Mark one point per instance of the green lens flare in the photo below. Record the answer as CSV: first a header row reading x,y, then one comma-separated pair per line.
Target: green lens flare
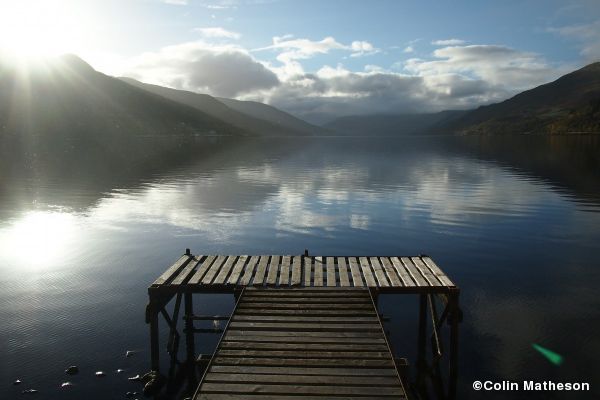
x,y
553,357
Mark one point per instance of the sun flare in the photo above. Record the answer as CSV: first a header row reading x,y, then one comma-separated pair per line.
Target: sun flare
x,y
38,28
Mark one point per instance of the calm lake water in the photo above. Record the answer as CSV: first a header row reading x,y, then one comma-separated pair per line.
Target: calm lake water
x,y
514,221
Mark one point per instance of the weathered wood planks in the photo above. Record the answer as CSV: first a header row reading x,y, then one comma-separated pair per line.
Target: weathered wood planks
x,y
227,273
306,342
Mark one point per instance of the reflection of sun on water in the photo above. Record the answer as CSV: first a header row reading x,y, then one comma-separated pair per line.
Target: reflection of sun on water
x,y
38,240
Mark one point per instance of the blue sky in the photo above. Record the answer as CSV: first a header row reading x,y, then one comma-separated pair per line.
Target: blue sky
x,y
326,58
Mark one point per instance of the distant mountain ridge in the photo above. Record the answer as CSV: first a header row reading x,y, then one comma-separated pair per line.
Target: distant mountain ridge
x,y
258,118
570,104
390,124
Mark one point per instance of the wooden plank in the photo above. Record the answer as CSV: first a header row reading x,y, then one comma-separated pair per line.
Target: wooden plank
x,y
307,306
390,271
303,326
321,313
299,389
307,270
284,276
318,268
296,271
245,396
426,272
245,345
367,273
291,293
232,336
355,269
402,272
263,353
220,279
261,271
306,334
343,271
185,273
303,379
437,272
296,362
201,270
379,273
414,272
314,299
213,270
299,318
230,369
173,269
330,268
248,271
273,270
237,270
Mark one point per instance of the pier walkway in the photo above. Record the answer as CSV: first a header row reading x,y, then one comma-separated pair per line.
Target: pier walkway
x,y
307,326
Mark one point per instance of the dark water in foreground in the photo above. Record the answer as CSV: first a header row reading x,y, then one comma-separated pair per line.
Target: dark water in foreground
x,y
515,222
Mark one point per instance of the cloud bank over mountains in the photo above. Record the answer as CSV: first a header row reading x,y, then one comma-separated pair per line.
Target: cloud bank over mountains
x,y
456,75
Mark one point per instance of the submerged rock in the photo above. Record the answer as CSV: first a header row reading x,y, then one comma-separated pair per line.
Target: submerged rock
x,y
129,353
130,395
29,391
17,382
118,371
66,384
72,370
100,373
136,378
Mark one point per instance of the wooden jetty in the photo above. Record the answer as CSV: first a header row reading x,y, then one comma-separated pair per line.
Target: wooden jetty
x,y
308,327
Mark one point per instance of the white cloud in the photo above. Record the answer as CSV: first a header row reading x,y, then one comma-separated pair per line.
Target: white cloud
x,y
408,49
223,70
497,65
217,32
448,42
362,48
298,49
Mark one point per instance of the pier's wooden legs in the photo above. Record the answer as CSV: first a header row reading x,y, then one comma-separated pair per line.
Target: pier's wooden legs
x,y
455,319
190,345
154,341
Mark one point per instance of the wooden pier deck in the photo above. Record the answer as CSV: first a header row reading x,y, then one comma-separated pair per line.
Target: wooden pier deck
x,y
308,326
227,273
319,343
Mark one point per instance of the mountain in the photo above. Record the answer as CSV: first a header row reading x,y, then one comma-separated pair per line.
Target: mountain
x,y
390,124
570,104
261,120
271,114
66,97
64,115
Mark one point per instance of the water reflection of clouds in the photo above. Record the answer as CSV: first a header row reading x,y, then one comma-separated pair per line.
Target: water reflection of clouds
x,y
445,192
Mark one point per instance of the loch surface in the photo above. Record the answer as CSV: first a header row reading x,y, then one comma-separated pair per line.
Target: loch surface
x,y
515,222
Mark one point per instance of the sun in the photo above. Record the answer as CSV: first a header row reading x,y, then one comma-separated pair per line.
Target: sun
x,y
38,28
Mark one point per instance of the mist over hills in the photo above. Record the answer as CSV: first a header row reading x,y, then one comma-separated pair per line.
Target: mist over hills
x,y
570,104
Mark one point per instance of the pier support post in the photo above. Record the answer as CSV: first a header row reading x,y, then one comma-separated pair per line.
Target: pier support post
x,y
455,319
154,344
422,344
190,346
